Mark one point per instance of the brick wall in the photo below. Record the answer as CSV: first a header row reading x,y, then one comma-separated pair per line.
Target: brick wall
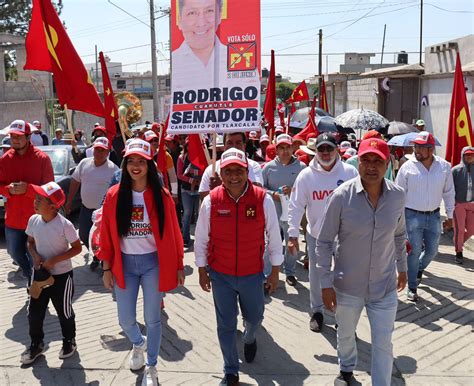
x,y
360,93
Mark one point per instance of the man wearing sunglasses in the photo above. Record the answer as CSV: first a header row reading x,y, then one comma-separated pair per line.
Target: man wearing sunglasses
x,y
311,191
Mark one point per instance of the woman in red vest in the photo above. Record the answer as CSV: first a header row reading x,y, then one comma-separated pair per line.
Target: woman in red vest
x,y
229,245
140,244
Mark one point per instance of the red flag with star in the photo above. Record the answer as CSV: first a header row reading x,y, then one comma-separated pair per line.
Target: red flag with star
x,y
310,128
300,93
111,110
459,127
323,100
48,48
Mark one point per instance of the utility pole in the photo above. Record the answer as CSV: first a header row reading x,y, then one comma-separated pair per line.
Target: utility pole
x,y
96,69
154,70
383,43
320,69
421,31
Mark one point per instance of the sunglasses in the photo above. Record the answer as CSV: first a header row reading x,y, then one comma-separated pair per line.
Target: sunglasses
x,y
325,149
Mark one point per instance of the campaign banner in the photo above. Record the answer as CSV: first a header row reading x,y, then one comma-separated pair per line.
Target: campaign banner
x,y
215,66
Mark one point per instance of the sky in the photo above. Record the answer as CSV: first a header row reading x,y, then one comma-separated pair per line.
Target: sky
x,y
288,27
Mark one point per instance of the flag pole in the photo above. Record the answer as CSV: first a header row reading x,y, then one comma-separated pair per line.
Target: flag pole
x,y
206,150
214,152
68,118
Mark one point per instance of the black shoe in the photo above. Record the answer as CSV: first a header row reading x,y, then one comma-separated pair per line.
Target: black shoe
x,y
345,379
230,380
69,348
94,264
459,259
419,277
250,350
316,322
412,296
291,280
33,352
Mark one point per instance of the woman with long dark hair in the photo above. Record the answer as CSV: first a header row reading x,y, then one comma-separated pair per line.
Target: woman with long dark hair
x,y
140,244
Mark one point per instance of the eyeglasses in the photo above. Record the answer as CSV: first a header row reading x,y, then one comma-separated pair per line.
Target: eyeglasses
x,y
325,149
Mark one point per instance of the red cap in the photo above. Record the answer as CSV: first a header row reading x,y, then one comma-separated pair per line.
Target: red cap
x,y
372,134
150,135
99,128
52,191
424,138
374,146
469,151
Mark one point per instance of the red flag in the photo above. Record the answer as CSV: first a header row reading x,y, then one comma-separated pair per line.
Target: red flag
x,y
292,111
196,151
48,48
300,93
270,98
310,128
281,114
111,111
312,111
459,126
323,100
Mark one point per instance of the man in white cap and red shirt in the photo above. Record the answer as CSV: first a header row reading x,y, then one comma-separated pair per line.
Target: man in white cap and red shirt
x,y
93,175
365,218
20,167
279,175
427,180
234,221
311,192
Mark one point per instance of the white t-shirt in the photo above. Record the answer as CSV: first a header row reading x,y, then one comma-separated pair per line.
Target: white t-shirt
x,y
255,175
94,181
139,239
53,238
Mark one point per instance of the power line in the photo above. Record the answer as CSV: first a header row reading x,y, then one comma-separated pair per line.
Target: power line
x,y
336,53
448,10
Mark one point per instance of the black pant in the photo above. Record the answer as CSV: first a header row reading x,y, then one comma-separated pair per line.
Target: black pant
x,y
60,293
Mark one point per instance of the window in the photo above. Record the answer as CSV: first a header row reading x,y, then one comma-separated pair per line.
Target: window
x,y
121,84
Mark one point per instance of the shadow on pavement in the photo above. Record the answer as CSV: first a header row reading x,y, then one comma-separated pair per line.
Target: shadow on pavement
x,y
173,348
273,363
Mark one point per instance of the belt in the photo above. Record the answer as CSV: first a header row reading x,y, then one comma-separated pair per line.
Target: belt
x,y
424,212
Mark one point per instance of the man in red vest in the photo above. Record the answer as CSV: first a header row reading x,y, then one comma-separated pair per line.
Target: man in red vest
x,y
229,245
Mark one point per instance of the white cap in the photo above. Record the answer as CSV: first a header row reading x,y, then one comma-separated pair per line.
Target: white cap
x,y
149,135
139,147
264,138
101,142
233,156
344,145
284,138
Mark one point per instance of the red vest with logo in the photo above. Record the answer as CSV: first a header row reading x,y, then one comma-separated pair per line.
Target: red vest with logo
x,y
237,232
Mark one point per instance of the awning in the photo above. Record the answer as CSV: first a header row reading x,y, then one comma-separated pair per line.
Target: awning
x,y
396,71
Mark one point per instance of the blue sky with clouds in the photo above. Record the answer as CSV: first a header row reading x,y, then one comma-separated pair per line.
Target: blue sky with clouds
x,y
288,27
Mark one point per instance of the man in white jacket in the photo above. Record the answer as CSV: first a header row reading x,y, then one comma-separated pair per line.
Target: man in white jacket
x,y
311,191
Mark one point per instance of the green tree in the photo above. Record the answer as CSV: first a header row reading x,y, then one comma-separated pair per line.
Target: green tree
x,y
15,15
9,59
284,90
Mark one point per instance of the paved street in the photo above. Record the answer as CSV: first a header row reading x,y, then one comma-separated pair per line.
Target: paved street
x,y
433,340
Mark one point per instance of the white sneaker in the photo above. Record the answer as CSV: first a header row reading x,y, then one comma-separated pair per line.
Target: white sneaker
x,y
137,356
150,376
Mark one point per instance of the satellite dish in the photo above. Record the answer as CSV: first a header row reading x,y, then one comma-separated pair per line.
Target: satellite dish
x,y
386,84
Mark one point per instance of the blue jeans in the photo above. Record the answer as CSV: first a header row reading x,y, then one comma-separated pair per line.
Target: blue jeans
x,y
190,206
16,248
85,224
289,262
381,314
228,291
422,229
141,270
315,295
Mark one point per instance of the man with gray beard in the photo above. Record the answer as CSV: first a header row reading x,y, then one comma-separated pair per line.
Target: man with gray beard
x,y
311,191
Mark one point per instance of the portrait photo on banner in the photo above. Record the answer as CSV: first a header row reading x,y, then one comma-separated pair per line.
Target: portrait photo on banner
x,y
215,76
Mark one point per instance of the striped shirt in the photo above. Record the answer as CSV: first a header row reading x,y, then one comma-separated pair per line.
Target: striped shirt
x,y
425,188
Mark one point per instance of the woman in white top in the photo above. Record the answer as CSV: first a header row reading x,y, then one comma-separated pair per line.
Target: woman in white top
x,y
141,245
